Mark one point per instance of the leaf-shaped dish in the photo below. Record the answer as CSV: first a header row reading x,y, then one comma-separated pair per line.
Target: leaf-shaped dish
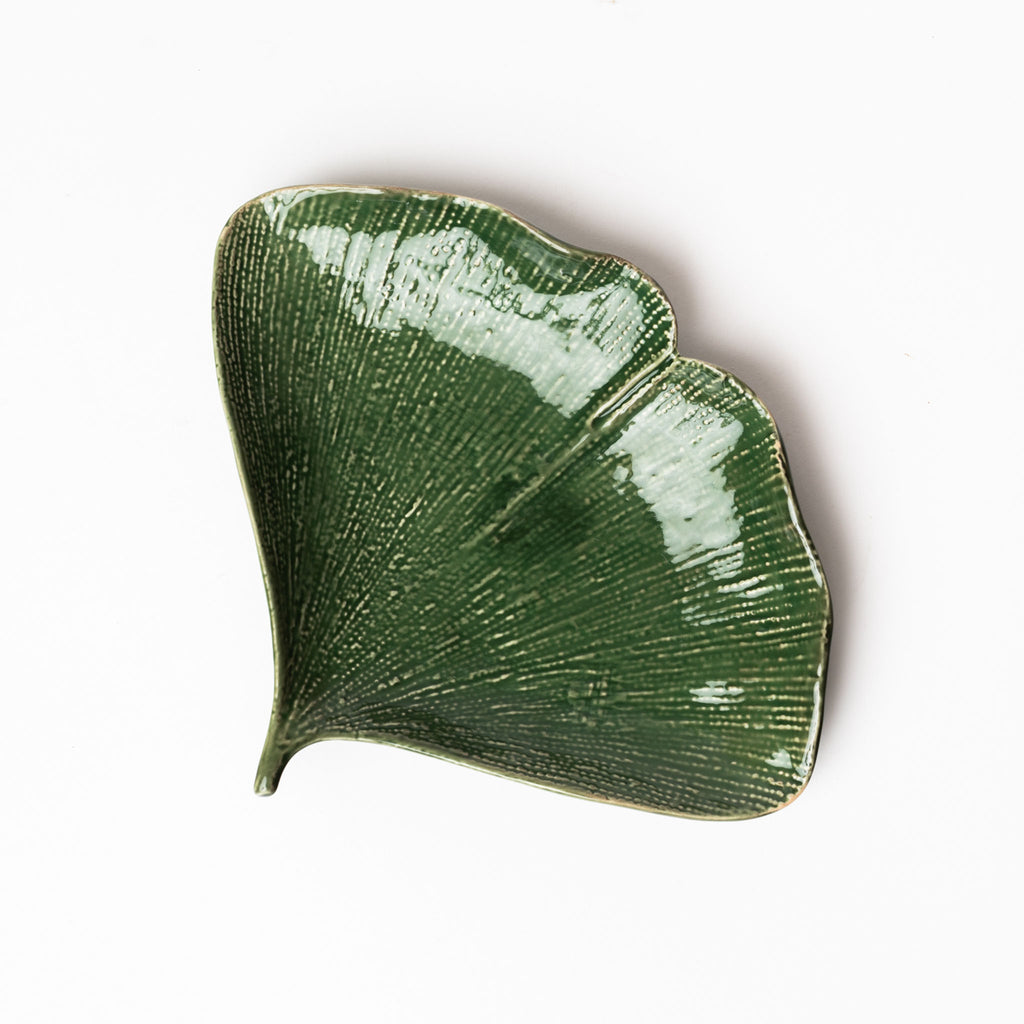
x,y
500,520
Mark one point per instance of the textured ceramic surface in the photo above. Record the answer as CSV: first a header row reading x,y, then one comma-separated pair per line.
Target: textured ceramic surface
x,y
500,520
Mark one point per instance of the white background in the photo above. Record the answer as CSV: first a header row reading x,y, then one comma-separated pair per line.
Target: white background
x,y
830,194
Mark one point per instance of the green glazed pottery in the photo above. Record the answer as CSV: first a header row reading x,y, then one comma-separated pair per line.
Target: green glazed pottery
x,y
500,520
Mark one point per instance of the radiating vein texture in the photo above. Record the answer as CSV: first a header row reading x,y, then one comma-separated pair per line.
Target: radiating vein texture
x,y
500,520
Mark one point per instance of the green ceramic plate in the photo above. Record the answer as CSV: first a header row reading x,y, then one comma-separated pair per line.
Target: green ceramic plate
x,y
501,521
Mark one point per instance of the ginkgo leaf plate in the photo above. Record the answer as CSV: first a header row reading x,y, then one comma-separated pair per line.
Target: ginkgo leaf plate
x,y
500,519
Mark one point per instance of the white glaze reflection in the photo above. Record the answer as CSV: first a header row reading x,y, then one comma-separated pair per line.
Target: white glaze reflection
x,y
675,450
451,285
717,692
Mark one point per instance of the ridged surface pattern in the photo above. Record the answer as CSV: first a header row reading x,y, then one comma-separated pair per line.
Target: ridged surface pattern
x,y
500,520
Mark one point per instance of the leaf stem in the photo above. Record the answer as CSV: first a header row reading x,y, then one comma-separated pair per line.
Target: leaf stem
x,y
276,754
